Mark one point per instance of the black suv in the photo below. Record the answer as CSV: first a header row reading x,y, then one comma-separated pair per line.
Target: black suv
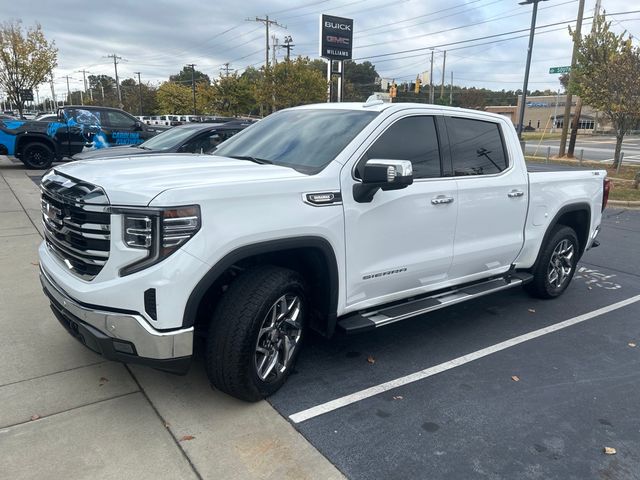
x,y
39,143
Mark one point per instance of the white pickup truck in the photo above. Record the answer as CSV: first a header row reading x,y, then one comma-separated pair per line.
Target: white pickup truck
x,y
324,217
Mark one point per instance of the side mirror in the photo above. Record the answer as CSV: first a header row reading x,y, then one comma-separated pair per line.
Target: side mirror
x,y
138,125
382,174
61,117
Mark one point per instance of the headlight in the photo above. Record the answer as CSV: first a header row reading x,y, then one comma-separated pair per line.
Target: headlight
x,y
158,231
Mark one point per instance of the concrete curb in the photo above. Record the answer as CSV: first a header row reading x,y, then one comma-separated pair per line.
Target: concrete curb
x,y
623,203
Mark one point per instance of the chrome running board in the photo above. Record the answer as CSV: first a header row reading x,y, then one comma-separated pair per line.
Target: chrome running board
x,y
368,320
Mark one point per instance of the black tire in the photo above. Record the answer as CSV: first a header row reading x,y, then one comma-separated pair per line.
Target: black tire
x,y
233,338
551,262
37,155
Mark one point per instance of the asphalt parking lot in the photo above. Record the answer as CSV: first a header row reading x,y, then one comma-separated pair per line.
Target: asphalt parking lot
x,y
450,395
544,408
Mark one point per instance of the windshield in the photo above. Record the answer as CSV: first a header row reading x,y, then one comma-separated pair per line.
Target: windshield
x,y
168,139
304,139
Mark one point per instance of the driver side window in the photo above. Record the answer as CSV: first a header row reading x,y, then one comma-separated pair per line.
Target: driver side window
x,y
119,120
410,138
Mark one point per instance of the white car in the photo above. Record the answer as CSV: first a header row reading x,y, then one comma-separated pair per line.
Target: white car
x,y
343,216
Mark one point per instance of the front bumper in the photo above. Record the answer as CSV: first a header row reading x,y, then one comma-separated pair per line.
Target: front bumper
x,y
120,336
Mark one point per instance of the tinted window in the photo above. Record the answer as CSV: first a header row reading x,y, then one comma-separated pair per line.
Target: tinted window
x,y
476,147
202,143
305,139
411,138
117,119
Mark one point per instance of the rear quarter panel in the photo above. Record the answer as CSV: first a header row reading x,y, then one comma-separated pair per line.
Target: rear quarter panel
x,y
550,192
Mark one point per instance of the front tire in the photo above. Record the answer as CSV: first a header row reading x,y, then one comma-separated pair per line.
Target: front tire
x,y
556,265
37,155
256,332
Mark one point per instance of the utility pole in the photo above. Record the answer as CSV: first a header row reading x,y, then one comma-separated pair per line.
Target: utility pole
x,y
115,66
532,32
266,23
578,111
274,46
451,91
288,45
53,91
193,84
139,91
567,106
68,91
226,69
431,91
444,63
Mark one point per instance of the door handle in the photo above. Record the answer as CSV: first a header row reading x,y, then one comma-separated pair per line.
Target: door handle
x,y
441,199
515,193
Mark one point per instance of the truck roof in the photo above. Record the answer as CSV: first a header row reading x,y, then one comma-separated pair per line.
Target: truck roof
x,y
395,107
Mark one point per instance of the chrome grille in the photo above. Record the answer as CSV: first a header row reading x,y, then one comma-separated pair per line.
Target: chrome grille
x,y
77,223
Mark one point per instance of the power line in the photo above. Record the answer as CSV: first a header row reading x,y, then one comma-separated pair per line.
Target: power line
x,y
266,23
422,49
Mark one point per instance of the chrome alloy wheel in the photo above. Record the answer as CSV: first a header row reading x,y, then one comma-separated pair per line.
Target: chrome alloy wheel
x,y
279,337
561,263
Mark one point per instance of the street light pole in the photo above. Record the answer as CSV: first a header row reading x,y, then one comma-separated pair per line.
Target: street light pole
x,y
532,33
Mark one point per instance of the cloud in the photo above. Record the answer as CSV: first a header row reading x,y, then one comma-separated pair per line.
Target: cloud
x,y
157,38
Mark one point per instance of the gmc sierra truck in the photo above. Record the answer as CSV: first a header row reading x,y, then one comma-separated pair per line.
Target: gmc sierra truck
x,y
39,143
334,217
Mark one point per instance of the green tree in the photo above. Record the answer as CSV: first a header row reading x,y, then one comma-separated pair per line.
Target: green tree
x,y
103,90
130,91
606,77
184,77
174,98
291,83
360,81
26,59
233,95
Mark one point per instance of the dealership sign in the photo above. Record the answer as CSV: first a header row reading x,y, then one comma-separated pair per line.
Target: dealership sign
x,y
336,37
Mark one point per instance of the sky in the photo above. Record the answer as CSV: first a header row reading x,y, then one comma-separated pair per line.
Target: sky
x,y
159,37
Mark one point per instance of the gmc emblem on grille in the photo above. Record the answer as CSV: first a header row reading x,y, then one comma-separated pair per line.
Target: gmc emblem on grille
x,y
50,211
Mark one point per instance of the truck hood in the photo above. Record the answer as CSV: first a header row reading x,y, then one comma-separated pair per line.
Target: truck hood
x,y
137,180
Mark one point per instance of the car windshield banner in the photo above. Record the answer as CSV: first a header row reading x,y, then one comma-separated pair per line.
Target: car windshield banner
x,y
336,37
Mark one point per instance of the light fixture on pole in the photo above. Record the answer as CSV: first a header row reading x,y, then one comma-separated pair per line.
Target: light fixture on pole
x,y
526,71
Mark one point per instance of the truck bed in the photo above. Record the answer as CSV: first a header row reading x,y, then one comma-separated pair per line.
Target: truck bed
x,y
553,167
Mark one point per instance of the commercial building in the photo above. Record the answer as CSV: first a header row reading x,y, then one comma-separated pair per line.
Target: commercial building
x,y
547,113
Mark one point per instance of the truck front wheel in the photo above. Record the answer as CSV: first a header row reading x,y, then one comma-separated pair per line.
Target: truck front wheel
x,y
556,265
256,333
37,155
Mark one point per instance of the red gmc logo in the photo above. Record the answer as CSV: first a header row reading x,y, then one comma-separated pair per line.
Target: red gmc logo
x,y
338,40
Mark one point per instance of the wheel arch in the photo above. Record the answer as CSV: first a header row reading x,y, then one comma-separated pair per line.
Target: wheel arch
x,y
578,217
26,138
313,256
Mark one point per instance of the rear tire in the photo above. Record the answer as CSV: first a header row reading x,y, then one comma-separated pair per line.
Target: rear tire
x,y
256,332
556,265
37,155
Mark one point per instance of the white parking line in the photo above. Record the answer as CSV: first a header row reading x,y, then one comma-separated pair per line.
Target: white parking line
x,y
428,372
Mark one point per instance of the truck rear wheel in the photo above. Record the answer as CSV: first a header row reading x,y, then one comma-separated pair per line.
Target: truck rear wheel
x,y
256,333
556,265
37,155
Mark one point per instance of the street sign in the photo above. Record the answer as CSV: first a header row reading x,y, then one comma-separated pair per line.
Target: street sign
x,y
336,37
560,69
26,94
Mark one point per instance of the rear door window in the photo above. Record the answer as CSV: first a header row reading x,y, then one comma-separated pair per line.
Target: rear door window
x,y
476,147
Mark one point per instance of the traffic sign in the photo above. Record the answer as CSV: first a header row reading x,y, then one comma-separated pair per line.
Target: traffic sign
x,y
566,69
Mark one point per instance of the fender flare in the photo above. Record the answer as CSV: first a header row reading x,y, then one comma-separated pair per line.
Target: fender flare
x,y
269,246
21,141
573,207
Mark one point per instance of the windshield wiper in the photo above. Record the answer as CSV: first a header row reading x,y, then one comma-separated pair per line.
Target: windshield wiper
x,y
261,161
142,147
